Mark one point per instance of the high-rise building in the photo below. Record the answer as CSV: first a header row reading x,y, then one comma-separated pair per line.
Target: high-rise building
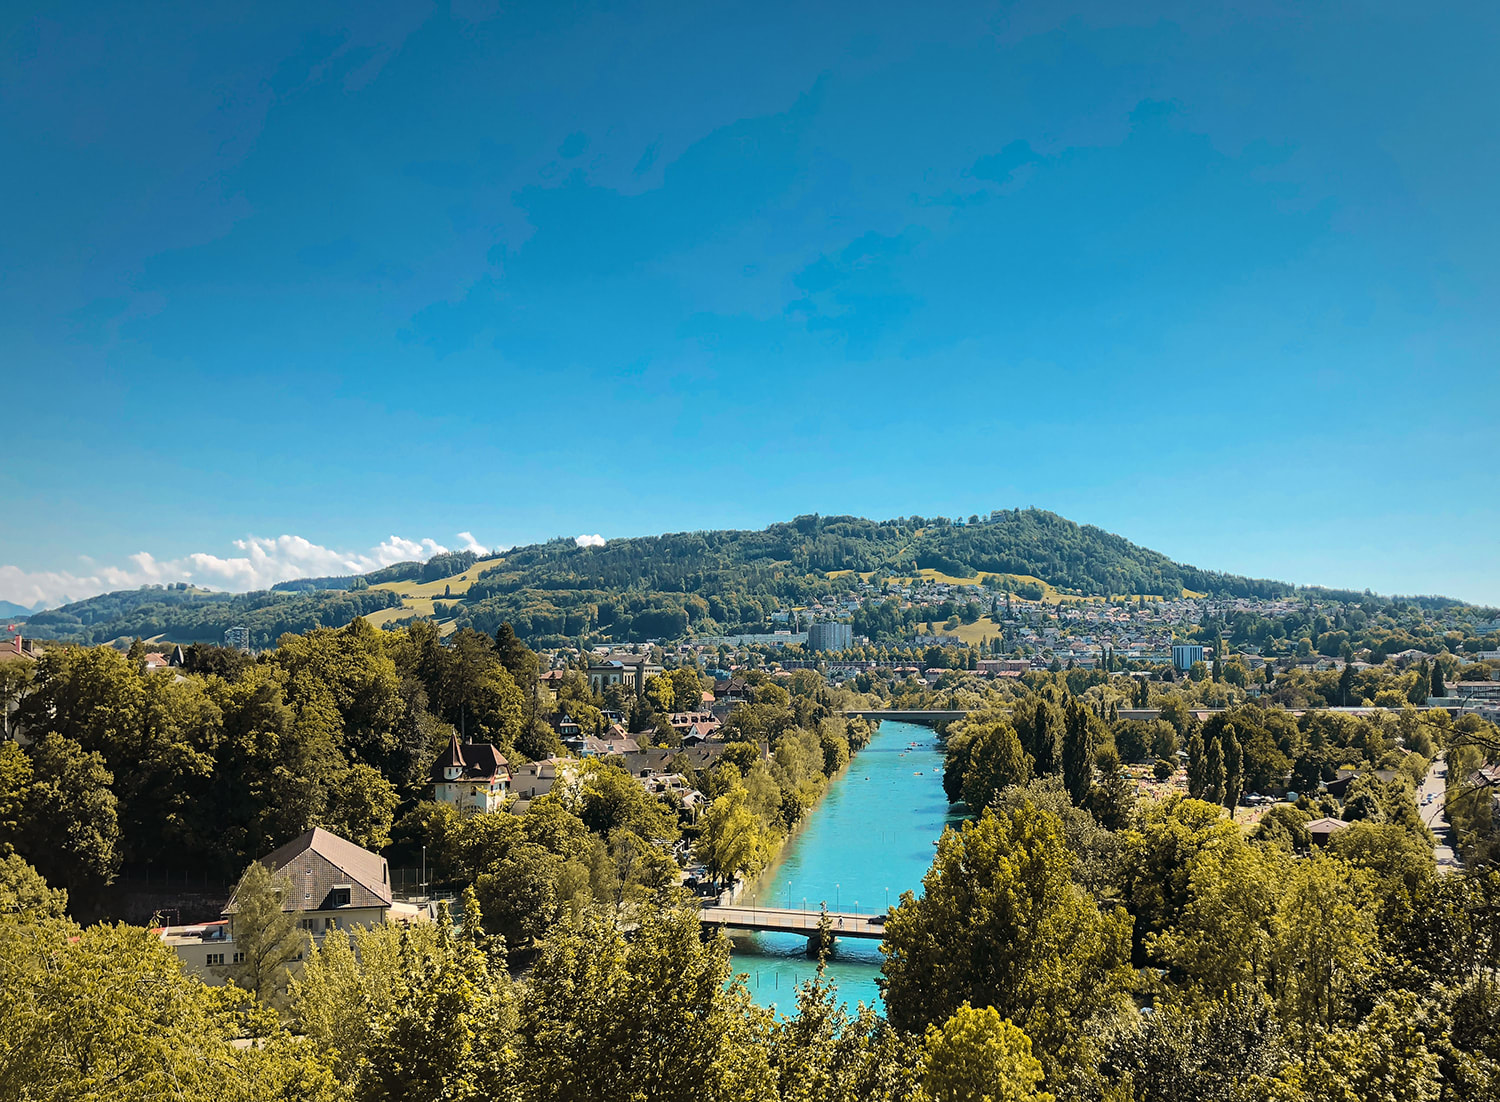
x,y
829,635
238,638
1184,655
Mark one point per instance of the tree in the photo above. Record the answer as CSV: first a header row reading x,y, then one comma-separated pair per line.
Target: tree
x,y
657,1016
607,798
996,760
273,768
91,695
1234,769
1284,826
732,842
1213,771
24,892
1080,740
1197,768
1001,923
266,937
659,693
69,827
1159,857
106,1012
1438,689
977,1056
361,807
1113,798
687,688
1385,1057
346,676
1222,1051
1346,687
1399,864
1222,938
520,893
448,1029
1039,725
15,683
1325,941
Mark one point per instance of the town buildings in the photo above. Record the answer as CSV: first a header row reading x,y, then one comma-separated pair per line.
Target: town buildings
x,y
629,670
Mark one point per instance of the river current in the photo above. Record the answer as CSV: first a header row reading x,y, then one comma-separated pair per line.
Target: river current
x,y
869,839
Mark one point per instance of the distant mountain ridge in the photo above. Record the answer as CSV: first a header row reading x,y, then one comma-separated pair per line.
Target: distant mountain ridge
x,y
672,585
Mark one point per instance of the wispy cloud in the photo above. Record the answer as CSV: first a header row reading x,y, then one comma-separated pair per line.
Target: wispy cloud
x,y
595,540
256,563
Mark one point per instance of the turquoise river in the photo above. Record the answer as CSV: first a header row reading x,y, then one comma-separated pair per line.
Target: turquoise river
x,y
869,839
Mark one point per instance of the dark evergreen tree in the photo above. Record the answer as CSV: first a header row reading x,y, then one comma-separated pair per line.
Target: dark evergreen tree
x,y
1234,769
1346,686
1197,767
1213,774
1080,727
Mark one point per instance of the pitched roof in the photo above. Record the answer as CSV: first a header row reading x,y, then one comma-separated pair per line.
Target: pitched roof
x,y
479,761
315,862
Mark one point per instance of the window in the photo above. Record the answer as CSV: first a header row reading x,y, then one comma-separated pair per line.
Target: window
x,y
239,958
214,959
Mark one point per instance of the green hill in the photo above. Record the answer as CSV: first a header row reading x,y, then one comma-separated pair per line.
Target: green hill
x,y
667,586
674,585
190,615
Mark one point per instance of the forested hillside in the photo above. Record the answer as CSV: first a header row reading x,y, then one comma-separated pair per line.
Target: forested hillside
x,y
198,616
665,587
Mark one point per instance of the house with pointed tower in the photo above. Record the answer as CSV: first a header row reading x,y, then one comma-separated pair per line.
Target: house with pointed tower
x,y
472,776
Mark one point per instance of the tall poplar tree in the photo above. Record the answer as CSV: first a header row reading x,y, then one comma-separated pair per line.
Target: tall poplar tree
x,y
1079,743
265,938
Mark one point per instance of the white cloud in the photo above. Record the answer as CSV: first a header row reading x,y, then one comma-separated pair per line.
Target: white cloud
x,y
472,544
595,540
259,564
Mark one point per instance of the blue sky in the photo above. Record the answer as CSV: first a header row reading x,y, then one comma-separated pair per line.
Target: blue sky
x,y
297,286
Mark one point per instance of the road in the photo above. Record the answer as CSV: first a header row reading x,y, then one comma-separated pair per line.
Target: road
x,y
1434,785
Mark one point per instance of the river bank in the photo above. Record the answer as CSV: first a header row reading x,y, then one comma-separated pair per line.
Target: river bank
x,y
868,840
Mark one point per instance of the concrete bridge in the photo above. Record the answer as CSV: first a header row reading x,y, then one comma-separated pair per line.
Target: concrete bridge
x,y
777,920
927,718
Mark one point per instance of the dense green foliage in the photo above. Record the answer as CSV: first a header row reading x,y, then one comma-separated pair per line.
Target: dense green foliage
x,y
228,758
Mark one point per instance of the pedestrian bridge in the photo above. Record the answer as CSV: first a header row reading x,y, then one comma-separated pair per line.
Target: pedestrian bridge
x,y
776,920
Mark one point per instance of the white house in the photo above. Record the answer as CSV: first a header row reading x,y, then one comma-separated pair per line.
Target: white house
x,y
473,777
